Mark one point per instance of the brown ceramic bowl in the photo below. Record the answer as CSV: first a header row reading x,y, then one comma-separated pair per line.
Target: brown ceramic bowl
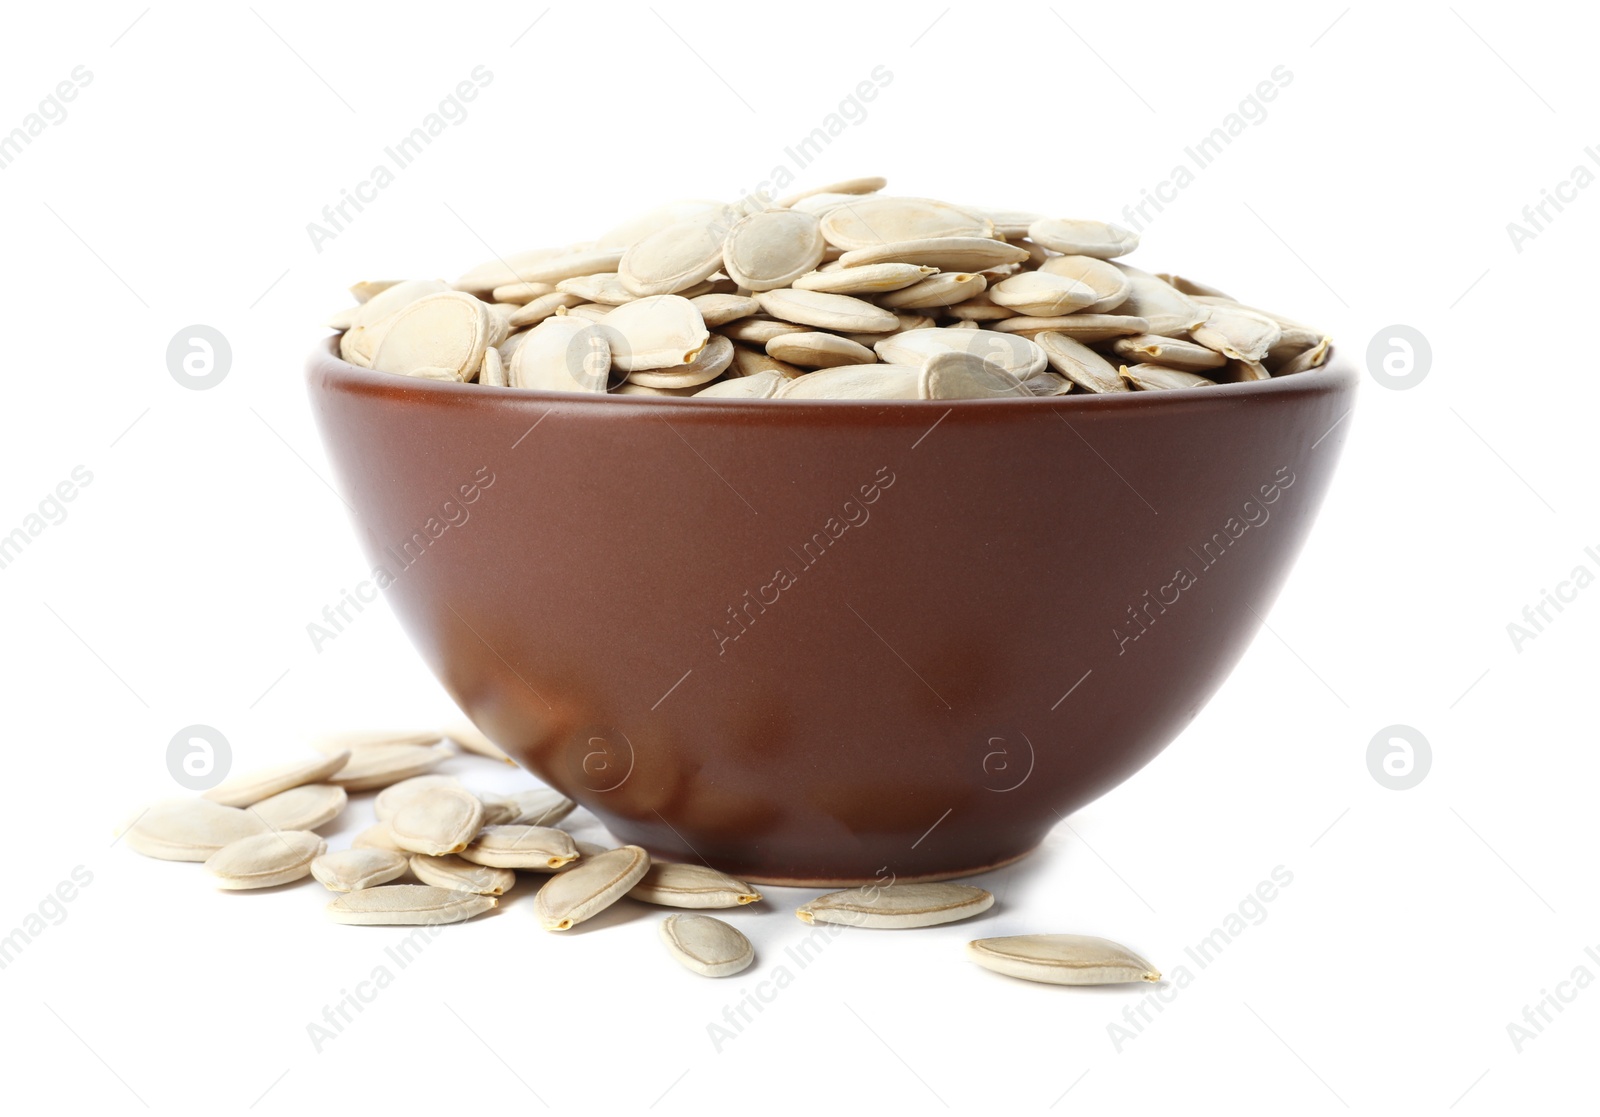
x,y
822,642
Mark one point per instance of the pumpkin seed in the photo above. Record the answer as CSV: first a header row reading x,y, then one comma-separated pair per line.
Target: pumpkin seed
x,y
850,186
1306,358
955,374
878,381
190,829
941,289
396,795
406,905
589,887
308,807
1082,327
944,253
363,291
749,362
898,905
1062,959
1173,352
350,870
758,330
492,373
759,385
393,299
1109,284
545,306
1238,334
812,349
715,310
520,293
1190,286
602,287
1154,378
652,221
657,332
381,765
438,821
707,945
1043,294
540,806
540,848
461,875
265,860
438,337
1077,237
243,791
504,271
1166,309
564,355
1016,355
707,365
1078,363
867,279
677,256
691,886
831,312
884,220
772,248
570,264
354,740
378,836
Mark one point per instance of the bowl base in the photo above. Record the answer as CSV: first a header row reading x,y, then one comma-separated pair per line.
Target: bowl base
x,y
849,882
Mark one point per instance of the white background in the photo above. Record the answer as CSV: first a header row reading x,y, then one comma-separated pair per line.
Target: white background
x,y
1377,191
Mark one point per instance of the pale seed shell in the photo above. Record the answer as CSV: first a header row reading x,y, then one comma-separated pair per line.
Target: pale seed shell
x,y
350,870
564,355
677,257
691,886
590,887
1172,352
870,184
772,248
706,945
382,765
1306,359
716,310
378,836
1078,363
520,293
354,740
637,228
461,875
190,829
367,288
898,905
758,330
1154,378
830,312
492,373
1083,327
308,807
570,264
1077,237
266,860
242,791
407,905
438,821
877,381
545,306
1111,286
1042,294
655,333
1190,286
759,385
540,806
538,848
749,362
602,287
438,337
883,220
954,374
504,271
708,364
941,289
396,795
1016,355
812,349
1238,334
1166,309
393,299
1062,959
944,253
865,280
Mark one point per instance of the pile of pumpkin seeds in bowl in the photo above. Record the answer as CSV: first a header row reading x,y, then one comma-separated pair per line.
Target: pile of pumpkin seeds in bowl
x,y
437,852
837,293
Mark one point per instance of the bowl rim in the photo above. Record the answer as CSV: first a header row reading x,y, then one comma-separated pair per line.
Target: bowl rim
x,y
325,361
